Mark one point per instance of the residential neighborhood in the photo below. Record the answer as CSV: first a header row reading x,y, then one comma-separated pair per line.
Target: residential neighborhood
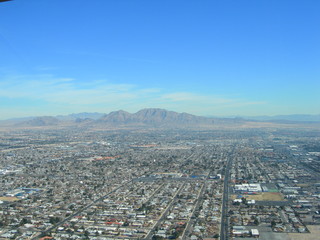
x,y
183,184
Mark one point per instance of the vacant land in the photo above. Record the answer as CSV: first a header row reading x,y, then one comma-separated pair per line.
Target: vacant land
x,y
9,199
314,234
265,196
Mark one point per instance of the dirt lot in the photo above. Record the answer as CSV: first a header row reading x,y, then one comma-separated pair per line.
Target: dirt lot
x,y
314,234
9,199
264,196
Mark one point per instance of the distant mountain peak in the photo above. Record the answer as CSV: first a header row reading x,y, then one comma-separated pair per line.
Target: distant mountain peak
x,y
119,116
155,117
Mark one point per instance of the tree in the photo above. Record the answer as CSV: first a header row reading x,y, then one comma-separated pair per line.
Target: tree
x,y
125,224
156,237
23,221
86,233
54,220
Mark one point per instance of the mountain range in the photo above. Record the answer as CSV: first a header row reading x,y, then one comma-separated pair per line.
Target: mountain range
x,y
155,117
151,117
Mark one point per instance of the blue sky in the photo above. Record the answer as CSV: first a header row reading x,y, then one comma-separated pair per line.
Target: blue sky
x,y
221,58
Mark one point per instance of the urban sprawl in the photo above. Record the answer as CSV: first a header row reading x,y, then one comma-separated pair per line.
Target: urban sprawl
x,y
160,184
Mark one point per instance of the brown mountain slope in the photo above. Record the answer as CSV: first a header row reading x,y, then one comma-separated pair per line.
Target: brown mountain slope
x,y
154,117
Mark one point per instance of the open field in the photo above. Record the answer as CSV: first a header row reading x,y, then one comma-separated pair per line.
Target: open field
x,y
314,234
9,199
265,196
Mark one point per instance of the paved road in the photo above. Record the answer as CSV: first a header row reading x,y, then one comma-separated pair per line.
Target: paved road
x,y
79,211
164,214
224,217
196,207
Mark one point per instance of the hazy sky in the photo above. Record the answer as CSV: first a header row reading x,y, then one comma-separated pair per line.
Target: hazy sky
x,y
241,57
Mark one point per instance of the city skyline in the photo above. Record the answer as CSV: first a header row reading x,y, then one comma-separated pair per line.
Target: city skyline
x,y
233,58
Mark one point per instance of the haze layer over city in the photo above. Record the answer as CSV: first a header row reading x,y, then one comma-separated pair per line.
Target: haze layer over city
x,y
159,120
